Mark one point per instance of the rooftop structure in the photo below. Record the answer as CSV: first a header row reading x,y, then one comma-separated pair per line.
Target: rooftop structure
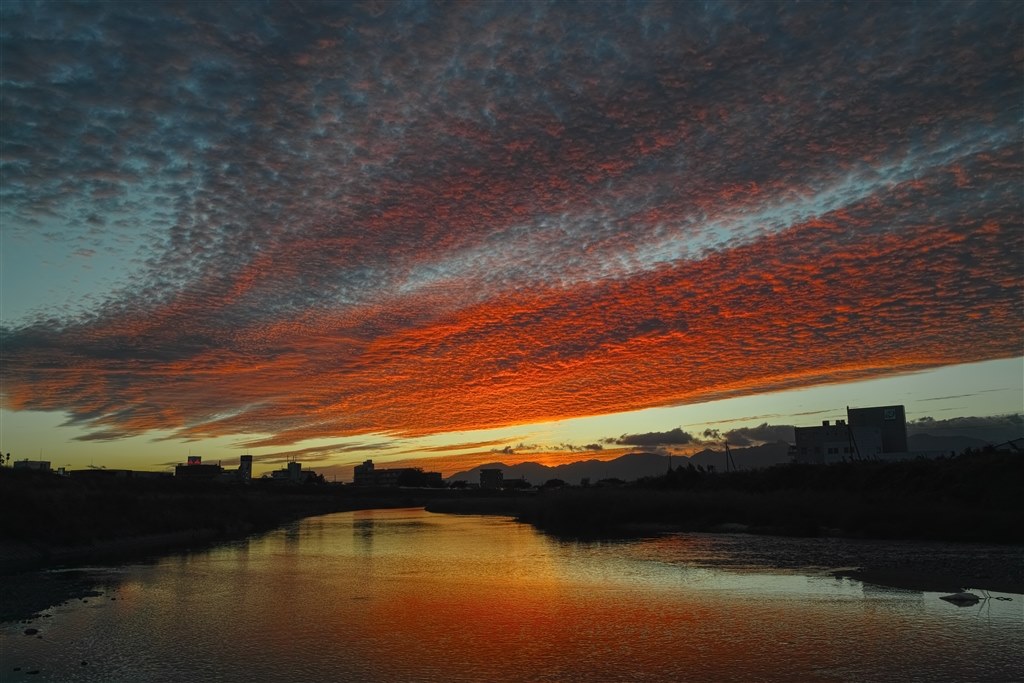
x,y
890,421
245,468
867,433
368,475
37,465
195,470
293,473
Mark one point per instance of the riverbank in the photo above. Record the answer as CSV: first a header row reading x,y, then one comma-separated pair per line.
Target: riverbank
x,y
968,499
609,514
971,499
50,521
903,566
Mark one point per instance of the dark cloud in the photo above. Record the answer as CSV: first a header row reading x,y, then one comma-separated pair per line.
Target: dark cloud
x,y
994,429
673,437
763,433
573,448
453,447
977,393
104,435
519,447
346,219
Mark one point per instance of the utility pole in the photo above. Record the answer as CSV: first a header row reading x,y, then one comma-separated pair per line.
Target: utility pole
x,y
728,459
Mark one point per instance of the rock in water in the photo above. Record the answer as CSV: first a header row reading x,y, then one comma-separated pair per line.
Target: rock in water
x,y
961,599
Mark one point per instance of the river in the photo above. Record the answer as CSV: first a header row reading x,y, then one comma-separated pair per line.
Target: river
x,y
406,595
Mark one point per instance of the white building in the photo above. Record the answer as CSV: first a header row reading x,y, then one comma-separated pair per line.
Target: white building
x,y
837,443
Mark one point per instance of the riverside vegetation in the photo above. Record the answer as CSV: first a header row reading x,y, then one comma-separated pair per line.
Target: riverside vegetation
x,y
915,507
50,520
974,497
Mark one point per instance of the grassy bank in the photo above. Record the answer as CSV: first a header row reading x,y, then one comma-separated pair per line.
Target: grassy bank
x,y
971,498
791,512
49,520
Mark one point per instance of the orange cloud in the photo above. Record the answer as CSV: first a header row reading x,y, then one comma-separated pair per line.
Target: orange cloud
x,y
454,239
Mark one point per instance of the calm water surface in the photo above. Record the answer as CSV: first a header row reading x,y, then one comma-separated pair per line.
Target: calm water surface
x,y
406,595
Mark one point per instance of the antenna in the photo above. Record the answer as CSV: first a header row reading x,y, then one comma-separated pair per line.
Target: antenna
x,y
729,460
854,449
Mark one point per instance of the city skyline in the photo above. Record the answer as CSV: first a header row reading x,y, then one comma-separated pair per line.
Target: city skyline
x,y
976,413
331,232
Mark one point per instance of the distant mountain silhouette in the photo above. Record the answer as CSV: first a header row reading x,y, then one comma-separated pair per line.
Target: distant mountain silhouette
x,y
993,429
638,465
627,467
750,458
631,466
953,442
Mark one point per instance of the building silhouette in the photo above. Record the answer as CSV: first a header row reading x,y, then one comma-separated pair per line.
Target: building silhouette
x,y
891,421
292,473
491,478
245,468
195,470
37,465
368,475
866,434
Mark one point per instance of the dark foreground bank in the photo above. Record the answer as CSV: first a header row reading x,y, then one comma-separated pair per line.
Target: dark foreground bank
x,y
625,513
53,521
972,498
969,498
50,521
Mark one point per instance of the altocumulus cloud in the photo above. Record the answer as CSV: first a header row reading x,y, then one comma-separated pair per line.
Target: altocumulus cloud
x,y
342,219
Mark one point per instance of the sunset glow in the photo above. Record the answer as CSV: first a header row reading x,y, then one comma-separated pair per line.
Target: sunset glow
x,y
427,232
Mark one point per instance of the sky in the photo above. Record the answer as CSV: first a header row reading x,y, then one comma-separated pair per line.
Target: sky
x,y
431,233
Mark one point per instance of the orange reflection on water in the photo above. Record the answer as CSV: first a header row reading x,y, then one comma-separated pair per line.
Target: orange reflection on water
x,y
477,609
405,595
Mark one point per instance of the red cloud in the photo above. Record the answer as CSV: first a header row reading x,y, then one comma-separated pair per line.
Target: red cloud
x,y
556,218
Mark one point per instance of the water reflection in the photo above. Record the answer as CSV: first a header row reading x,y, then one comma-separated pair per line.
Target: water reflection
x,y
362,531
400,595
292,534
